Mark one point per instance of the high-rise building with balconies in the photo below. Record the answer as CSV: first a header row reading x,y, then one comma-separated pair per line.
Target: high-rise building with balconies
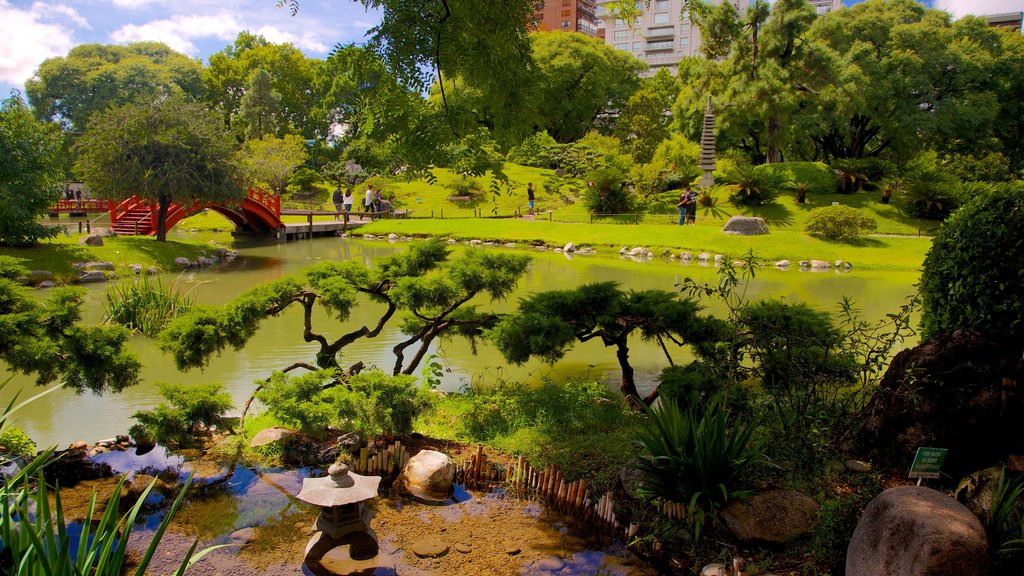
x,y
825,6
567,16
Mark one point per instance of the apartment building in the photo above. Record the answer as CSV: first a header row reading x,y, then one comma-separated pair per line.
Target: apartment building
x,y
1012,20
567,16
660,37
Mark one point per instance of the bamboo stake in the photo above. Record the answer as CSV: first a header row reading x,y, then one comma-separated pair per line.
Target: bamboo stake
x,y
362,460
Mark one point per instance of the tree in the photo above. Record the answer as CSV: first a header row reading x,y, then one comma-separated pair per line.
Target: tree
x,y
644,120
431,291
259,108
272,160
93,77
230,72
45,339
30,174
167,150
549,323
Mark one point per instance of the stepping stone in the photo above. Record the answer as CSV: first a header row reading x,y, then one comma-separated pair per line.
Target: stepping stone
x,y
463,547
429,548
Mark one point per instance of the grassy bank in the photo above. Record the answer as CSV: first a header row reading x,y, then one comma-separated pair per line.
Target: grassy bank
x,y
58,255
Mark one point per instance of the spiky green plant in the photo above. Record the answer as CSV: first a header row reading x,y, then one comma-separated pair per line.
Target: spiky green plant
x,y
1006,524
145,305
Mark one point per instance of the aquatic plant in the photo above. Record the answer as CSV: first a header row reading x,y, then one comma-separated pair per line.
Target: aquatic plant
x,y
145,305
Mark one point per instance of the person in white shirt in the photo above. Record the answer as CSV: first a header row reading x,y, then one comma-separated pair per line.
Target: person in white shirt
x,y
368,200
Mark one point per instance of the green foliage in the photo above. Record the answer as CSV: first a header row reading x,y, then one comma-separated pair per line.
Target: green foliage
x,y
533,151
15,442
271,160
30,175
259,109
187,417
752,187
464,185
930,193
608,193
11,268
975,266
476,154
839,223
817,177
303,183
145,305
1006,524
371,403
696,457
985,167
45,339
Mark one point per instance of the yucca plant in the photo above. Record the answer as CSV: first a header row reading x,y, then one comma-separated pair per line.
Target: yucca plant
x,y
145,305
695,457
752,187
930,194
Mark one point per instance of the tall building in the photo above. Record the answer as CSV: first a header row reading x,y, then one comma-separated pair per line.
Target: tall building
x,y
1012,20
567,16
659,37
825,6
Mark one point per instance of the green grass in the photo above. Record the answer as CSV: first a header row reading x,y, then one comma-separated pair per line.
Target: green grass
x,y
58,254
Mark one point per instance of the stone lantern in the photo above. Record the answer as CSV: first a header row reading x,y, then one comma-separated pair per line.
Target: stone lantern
x,y
343,519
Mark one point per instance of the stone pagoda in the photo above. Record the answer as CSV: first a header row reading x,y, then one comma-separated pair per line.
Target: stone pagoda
x,y
706,162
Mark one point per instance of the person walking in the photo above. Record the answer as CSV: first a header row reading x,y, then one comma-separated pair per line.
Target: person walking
x,y
368,201
530,198
339,203
347,203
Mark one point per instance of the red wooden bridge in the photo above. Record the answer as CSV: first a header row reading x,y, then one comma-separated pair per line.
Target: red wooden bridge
x,y
260,212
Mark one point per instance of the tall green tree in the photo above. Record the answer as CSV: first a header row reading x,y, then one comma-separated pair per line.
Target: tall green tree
x,y
644,120
93,77
549,323
167,150
230,71
260,107
271,160
30,174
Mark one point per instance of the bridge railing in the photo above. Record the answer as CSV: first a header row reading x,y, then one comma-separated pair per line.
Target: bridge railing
x,y
270,200
84,205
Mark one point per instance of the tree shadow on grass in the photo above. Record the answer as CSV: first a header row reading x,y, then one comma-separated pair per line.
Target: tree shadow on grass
x,y
862,242
774,214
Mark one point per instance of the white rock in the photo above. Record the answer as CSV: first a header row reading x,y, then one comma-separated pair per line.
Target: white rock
x,y
782,264
703,256
623,250
569,247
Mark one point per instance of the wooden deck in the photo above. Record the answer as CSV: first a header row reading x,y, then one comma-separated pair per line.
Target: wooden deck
x,y
311,228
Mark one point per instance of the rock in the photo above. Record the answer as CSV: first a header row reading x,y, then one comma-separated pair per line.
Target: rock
x,y
719,258
244,537
79,445
392,236
776,516
623,250
463,548
23,280
183,262
745,226
976,490
685,256
9,468
136,268
108,266
428,476
703,257
152,271
139,484
637,251
917,531
37,276
271,435
667,253
858,466
631,480
569,247
714,569
429,548
838,263
513,550
475,242
509,245
553,564
820,265
205,261
452,241
45,284
782,264
954,391
91,240
92,276
104,232
350,441
804,264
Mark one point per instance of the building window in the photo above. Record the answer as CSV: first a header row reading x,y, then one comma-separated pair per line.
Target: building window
x,y
661,6
566,13
822,9
622,34
620,23
638,46
624,46
684,42
661,45
661,18
565,23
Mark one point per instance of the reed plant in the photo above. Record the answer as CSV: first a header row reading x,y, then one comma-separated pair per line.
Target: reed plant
x,y
145,304
1006,523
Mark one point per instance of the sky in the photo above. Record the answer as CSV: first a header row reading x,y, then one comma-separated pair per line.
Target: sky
x,y
32,31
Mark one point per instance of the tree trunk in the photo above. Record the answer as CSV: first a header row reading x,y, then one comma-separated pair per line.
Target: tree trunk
x,y
628,385
161,218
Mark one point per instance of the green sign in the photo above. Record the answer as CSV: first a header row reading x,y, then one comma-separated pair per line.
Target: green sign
x,y
927,463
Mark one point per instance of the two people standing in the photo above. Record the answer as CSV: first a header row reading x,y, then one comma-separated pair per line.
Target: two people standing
x,y
687,206
342,202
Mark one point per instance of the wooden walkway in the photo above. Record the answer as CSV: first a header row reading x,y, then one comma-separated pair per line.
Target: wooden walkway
x,y
311,228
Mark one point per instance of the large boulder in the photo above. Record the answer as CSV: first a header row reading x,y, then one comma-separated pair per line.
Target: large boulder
x,y
91,240
745,226
776,516
428,476
917,531
958,391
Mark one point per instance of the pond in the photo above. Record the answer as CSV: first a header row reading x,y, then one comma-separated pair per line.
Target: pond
x,y
64,417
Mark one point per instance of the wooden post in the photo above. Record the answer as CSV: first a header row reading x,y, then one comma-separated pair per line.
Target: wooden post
x,y
362,460
636,218
310,217
79,227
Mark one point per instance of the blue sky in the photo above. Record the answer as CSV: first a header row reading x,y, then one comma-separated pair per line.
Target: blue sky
x,y
33,30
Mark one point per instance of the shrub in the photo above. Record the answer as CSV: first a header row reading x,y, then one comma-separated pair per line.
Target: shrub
x,y
974,270
695,457
1006,524
992,167
303,183
752,187
534,151
190,412
608,194
145,305
816,177
11,268
463,185
14,441
838,223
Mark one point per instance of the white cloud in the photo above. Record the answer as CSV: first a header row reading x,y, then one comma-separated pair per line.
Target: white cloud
x,y
960,8
32,35
178,32
135,3
305,41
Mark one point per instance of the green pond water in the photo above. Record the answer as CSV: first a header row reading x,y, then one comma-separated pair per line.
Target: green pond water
x,y
63,417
